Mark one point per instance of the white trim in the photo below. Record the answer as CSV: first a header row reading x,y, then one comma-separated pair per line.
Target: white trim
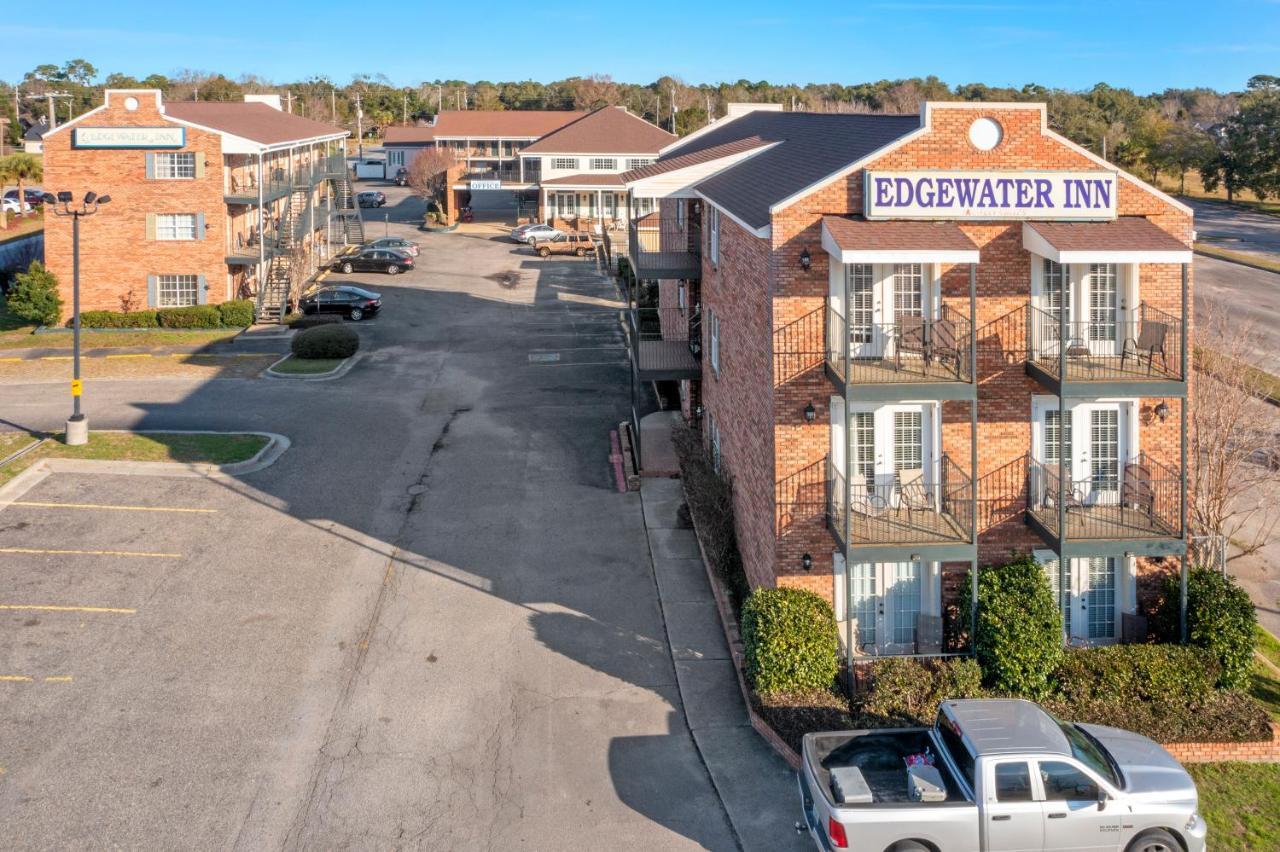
x,y
700,172
895,255
763,233
1035,242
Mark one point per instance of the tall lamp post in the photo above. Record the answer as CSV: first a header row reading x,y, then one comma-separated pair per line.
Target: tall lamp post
x,y
63,204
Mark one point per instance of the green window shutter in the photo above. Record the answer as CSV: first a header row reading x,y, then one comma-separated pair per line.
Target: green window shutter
x,y
151,166
199,165
202,291
199,226
153,290
151,226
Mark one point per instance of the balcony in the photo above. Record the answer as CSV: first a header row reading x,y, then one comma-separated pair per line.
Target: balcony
x,y
931,358
247,252
246,193
1138,357
666,343
665,248
905,515
1138,510
507,175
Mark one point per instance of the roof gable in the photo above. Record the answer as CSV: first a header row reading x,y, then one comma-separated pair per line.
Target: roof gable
x,y
608,130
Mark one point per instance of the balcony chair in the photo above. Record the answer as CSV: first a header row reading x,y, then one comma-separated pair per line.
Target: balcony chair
x,y
944,344
1072,496
1136,492
913,494
1148,344
912,339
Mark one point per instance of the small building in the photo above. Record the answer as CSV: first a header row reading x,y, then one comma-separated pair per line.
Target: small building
x,y
33,139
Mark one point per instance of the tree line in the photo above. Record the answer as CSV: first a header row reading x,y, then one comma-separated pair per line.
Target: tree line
x,y
1232,139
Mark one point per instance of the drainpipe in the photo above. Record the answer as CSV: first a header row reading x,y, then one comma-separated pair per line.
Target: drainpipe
x,y
973,450
262,231
1186,379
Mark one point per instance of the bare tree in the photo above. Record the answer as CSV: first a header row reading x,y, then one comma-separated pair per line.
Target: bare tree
x,y
1235,480
427,171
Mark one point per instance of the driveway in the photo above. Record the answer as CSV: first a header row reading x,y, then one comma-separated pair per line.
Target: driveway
x,y
1236,229
432,624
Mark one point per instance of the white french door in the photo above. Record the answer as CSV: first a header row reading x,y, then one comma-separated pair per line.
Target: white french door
x,y
885,601
1094,437
1096,298
1088,591
880,294
887,439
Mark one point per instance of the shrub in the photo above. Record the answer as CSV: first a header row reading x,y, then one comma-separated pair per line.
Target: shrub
x,y
1220,619
326,341
237,313
1222,715
311,320
710,498
34,295
195,316
790,640
905,691
118,319
1137,673
1019,630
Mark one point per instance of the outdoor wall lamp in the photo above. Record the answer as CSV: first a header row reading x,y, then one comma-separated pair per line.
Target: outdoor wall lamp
x,y
810,413
697,411
1162,411
806,260
806,562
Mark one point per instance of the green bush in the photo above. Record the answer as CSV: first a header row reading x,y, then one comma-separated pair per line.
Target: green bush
x,y
237,313
1156,673
906,691
790,640
1223,715
34,295
300,321
195,316
710,496
118,319
326,341
1019,630
1220,619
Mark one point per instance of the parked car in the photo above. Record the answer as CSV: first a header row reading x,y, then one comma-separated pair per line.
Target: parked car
x,y
997,774
576,243
373,260
34,197
402,176
352,302
11,205
399,244
371,198
534,231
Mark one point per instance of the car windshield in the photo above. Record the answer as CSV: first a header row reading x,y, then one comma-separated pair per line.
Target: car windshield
x,y
1090,752
363,294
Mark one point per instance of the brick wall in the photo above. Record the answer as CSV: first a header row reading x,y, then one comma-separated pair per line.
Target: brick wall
x,y
115,255
1266,751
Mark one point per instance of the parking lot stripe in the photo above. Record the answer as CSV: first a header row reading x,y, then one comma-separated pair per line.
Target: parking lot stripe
x,y
58,679
56,357
133,355
39,551
14,679
13,360
43,505
57,608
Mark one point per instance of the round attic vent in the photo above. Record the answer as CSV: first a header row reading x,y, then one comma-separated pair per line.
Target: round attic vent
x,y
131,103
985,133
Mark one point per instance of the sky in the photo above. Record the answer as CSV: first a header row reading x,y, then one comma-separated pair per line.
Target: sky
x,y
1146,45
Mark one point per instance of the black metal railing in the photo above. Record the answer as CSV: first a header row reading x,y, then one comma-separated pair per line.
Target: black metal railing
x,y
1108,346
907,507
507,175
666,340
910,349
668,248
1138,499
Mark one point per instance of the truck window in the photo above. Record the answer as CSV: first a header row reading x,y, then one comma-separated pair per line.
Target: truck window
x,y
1013,782
1064,783
959,752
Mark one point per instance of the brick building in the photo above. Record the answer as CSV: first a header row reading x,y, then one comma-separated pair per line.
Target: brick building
x,y
918,344
210,201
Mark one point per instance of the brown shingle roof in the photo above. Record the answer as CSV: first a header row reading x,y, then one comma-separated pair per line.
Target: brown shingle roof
x,y
609,130
254,121
485,124
901,235
586,180
1128,233
704,155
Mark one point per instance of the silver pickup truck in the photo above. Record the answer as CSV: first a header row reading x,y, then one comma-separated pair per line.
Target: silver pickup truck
x,y
997,775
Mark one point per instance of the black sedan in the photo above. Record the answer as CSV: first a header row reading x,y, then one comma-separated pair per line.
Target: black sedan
x,y
352,302
373,260
371,198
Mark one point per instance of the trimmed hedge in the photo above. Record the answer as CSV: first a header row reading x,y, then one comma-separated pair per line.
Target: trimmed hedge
x,y
907,691
312,320
326,341
195,316
118,319
237,313
1155,673
1220,619
790,640
1019,631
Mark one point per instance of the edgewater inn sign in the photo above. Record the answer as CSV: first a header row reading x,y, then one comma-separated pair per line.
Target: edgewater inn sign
x,y
1069,195
129,137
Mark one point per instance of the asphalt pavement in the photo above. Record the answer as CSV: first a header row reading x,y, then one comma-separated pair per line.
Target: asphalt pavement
x,y
1236,228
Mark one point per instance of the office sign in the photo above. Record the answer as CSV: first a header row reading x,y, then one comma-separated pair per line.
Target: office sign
x,y
486,184
129,137
990,195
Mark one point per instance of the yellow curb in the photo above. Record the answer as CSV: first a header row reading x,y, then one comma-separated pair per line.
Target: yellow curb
x,y
133,355
57,357
12,360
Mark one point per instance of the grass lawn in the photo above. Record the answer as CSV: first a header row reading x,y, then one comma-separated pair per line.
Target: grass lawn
x,y
1241,803
307,366
16,333
1264,683
222,448
1265,382
11,442
1195,189
21,227
1269,646
1237,256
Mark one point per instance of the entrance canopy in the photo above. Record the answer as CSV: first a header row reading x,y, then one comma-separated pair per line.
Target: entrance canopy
x,y
1129,239
860,241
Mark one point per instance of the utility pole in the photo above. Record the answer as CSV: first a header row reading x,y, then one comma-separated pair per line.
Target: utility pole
x,y
288,102
439,100
673,109
709,116
333,105
359,127
404,111
49,96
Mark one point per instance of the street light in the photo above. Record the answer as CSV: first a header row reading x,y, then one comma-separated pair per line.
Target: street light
x,y
62,205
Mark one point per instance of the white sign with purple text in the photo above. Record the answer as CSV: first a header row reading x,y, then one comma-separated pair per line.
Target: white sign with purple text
x,y
990,195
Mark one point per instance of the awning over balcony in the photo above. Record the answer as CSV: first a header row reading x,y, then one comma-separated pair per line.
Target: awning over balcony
x,y
1129,239
860,241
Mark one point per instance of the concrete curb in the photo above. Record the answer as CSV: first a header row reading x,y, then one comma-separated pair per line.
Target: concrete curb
x,y
336,373
1236,261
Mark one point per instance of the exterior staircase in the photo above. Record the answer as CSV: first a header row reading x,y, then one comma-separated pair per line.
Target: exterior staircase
x,y
277,288
346,225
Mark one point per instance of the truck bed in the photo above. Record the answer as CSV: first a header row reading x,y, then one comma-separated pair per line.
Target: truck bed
x,y
880,755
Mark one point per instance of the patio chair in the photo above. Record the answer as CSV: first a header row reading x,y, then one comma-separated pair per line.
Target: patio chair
x,y
1136,491
1071,497
1149,343
944,344
912,340
913,494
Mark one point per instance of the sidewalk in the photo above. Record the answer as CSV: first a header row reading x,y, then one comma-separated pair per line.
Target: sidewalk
x,y
755,785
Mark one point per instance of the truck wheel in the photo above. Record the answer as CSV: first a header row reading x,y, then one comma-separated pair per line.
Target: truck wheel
x,y
544,252
580,252
1157,840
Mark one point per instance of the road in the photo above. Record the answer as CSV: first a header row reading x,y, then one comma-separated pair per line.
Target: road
x,y
1245,298
434,624
1236,228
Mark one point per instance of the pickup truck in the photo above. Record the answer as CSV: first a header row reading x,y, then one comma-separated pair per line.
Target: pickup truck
x,y
996,775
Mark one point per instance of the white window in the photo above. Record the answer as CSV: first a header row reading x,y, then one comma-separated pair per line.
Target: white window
x,y
637,162
563,163
713,322
604,164
714,431
177,291
176,226
713,248
681,297
680,213
175,166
